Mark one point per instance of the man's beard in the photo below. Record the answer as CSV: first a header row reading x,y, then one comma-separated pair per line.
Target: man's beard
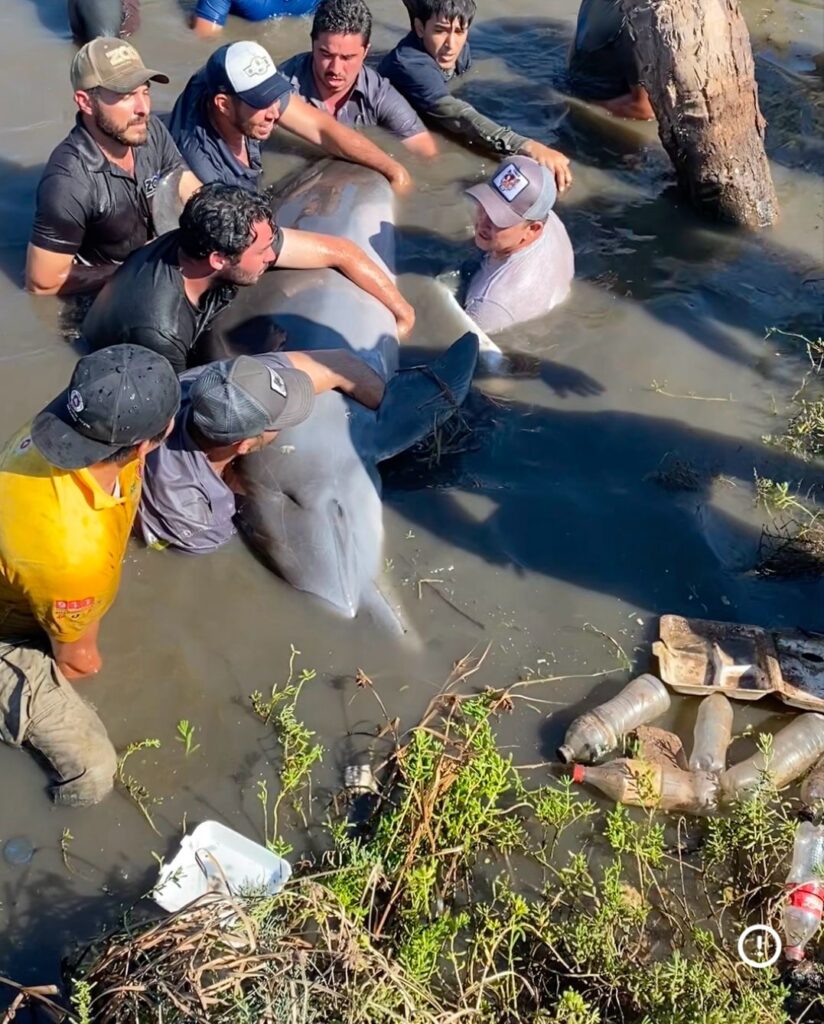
x,y
241,278
113,131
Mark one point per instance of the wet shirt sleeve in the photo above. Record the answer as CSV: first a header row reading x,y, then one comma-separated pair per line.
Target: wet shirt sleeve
x,y
216,11
416,76
168,155
395,113
62,213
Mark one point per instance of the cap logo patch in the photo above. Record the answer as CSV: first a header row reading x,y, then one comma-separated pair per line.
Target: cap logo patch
x,y
120,55
76,404
258,66
276,382
510,182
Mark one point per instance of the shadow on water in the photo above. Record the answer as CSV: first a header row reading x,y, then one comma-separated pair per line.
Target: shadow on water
x,y
18,186
52,15
573,496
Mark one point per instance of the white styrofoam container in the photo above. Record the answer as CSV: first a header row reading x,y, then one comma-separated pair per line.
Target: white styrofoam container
x,y
194,870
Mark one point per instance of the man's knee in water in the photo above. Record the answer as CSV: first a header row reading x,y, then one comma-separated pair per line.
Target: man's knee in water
x,y
98,763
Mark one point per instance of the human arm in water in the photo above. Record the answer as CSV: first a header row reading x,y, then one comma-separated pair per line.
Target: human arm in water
x,y
321,129
458,118
303,250
57,273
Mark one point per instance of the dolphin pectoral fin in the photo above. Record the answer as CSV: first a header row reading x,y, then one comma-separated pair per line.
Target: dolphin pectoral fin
x,y
419,399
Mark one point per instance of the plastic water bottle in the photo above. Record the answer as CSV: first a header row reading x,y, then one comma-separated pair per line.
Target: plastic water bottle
x,y
805,890
795,749
642,784
713,731
596,732
812,791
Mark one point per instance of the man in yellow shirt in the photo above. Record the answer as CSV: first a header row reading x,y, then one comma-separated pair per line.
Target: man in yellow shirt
x,y
69,490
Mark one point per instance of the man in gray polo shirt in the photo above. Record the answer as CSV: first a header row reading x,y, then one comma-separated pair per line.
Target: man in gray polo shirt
x,y
231,408
528,263
333,77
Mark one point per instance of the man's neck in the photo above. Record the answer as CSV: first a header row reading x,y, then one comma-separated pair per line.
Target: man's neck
x,y
504,254
234,139
114,151
106,474
198,277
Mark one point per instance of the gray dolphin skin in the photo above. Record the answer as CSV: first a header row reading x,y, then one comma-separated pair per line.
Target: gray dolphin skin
x,y
91,18
313,509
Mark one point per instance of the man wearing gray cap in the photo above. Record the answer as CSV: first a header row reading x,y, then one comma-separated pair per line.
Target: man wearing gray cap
x,y
69,491
528,264
231,408
94,200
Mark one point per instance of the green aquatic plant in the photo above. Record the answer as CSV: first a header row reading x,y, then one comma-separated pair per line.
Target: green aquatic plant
x,y
136,790
186,736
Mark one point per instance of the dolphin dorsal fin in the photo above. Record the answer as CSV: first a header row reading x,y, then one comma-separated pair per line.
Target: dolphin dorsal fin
x,y
419,399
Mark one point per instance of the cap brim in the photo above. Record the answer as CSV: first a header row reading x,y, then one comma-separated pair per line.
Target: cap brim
x,y
300,399
57,440
497,209
264,95
134,79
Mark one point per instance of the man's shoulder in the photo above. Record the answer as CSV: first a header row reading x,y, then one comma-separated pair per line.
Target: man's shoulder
x,y
297,67
406,53
74,158
188,113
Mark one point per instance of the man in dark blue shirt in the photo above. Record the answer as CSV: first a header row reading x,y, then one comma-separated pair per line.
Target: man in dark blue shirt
x,y
603,68
334,78
237,100
425,63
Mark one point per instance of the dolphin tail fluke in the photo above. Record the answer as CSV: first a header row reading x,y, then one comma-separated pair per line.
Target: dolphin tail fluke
x,y
420,398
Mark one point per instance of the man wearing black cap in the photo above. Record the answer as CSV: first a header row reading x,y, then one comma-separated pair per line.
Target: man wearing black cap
x,y
69,490
229,409
237,100
166,295
94,200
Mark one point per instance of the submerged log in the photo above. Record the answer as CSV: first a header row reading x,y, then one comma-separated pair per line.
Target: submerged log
x,y
697,65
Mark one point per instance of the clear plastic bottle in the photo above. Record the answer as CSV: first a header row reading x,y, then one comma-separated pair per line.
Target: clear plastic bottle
x,y
805,890
795,749
642,784
596,732
812,791
713,731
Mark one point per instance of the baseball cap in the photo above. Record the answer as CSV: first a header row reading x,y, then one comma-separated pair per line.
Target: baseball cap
x,y
112,64
521,189
247,71
117,396
236,399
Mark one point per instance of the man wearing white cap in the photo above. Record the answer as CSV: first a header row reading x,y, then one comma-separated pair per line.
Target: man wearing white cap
x,y
528,263
237,100
94,200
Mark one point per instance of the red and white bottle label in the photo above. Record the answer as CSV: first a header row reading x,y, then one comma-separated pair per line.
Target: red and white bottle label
x,y
809,897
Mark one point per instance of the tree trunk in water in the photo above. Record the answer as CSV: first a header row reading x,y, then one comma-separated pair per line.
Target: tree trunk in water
x,y
696,63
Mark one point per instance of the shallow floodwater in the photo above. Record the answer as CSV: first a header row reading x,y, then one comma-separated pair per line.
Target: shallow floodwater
x,y
548,525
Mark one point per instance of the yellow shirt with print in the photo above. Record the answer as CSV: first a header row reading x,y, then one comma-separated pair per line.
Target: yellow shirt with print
x,y
62,542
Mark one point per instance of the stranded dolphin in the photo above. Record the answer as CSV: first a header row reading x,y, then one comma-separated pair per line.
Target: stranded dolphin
x,y
91,18
313,509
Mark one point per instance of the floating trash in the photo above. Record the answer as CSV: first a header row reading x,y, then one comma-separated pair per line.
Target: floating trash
x,y
17,851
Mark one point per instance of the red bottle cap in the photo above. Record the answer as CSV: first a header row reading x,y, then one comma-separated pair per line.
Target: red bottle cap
x,y
578,773
794,953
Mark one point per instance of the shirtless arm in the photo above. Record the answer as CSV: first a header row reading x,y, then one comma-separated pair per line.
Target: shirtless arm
x,y
56,273
80,657
423,144
321,129
337,368
303,250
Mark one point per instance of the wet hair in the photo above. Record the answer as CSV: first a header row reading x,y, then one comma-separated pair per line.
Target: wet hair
x,y
221,218
344,18
129,451
449,10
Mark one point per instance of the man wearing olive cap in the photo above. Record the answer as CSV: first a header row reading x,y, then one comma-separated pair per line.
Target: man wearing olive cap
x,y
94,200
69,488
528,264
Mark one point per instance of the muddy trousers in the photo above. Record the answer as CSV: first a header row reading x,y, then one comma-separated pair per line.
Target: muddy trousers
x,y
39,708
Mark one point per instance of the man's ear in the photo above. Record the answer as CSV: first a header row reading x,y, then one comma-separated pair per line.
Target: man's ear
x,y
536,227
245,446
83,101
217,261
366,50
417,24
222,103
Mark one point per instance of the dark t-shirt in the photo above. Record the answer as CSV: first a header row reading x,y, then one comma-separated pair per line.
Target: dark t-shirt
x,y
144,303
203,147
602,63
92,209
416,75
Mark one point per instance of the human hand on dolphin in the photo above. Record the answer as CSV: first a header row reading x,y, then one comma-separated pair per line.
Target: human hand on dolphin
x,y
400,179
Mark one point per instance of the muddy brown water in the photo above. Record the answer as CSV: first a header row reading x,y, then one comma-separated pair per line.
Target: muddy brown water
x,y
550,520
